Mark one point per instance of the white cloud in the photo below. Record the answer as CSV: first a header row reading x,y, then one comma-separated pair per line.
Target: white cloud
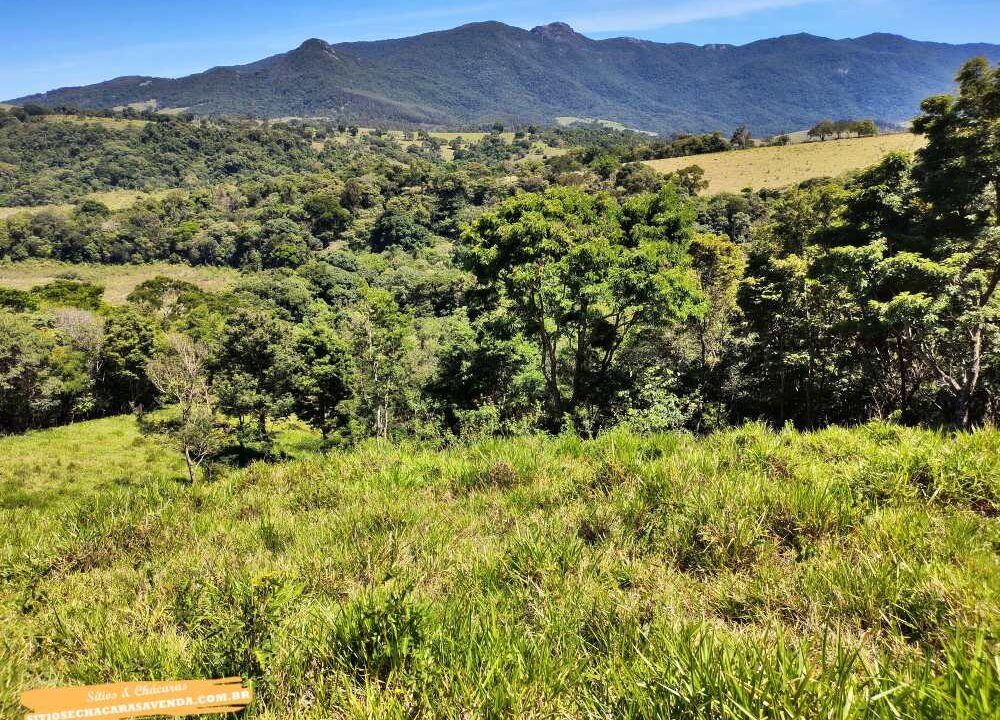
x,y
640,17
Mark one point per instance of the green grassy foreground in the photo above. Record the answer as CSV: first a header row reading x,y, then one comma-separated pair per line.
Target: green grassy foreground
x,y
751,574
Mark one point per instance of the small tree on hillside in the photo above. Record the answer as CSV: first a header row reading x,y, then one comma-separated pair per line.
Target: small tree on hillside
x,y
865,128
822,130
178,372
691,179
742,138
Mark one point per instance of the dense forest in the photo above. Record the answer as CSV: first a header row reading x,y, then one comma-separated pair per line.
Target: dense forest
x,y
388,291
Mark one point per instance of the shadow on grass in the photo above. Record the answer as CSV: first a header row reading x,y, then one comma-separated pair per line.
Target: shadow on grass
x,y
239,456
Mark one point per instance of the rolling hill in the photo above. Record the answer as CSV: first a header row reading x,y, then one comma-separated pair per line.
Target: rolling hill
x,y
490,71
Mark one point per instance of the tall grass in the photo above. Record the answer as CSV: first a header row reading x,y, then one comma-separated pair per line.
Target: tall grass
x,y
751,574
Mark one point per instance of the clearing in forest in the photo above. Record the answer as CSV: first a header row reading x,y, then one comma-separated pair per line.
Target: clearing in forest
x,y
777,167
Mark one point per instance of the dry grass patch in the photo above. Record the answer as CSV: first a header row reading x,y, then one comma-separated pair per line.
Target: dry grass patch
x,y
113,123
777,167
113,199
118,280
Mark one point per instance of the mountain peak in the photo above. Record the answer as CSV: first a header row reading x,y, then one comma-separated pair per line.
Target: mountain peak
x,y
315,43
316,47
558,31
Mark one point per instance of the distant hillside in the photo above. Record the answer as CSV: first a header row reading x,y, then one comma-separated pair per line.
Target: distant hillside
x,y
490,71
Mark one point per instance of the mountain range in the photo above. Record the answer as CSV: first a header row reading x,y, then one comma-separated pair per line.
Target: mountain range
x,y
485,72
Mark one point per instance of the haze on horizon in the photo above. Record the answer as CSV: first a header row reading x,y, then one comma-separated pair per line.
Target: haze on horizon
x,y
56,43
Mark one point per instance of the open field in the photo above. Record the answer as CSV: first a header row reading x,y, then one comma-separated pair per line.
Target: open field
x,y
8,212
469,136
776,167
118,280
567,120
113,199
114,123
539,151
752,574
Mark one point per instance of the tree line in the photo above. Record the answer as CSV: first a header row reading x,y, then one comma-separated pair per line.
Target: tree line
x,y
840,128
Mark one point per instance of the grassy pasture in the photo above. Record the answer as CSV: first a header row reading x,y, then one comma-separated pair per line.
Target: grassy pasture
x,y
113,123
777,167
567,120
469,136
751,574
118,280
539,151
113,199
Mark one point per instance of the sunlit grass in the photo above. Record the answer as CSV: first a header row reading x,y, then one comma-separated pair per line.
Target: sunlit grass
x,y
777,167
118,280
751,574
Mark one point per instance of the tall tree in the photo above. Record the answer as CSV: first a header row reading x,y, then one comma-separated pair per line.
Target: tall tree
x,y
742,137
719,263
584,274
959,169
947,300
322,374
126,347
380,336
251,368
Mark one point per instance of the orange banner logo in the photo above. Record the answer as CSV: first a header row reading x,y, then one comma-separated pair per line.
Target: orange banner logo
x,y
138,699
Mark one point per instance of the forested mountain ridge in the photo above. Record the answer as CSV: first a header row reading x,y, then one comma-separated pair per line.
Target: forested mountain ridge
x,y
489,71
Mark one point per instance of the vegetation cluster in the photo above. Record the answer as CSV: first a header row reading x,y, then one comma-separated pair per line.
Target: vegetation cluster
x,y
431,299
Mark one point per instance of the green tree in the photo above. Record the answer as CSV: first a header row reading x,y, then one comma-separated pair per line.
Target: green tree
x,y
329,218
489,367
605,165
399,229
322,374
284,243
742,138
823,130
29,385
719,263
639,178
690,179
958,171
70,293
584,275
944,292
126,348
380,336
865,128
251,368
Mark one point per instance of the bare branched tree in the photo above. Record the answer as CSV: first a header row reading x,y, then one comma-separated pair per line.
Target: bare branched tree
x,y
178,372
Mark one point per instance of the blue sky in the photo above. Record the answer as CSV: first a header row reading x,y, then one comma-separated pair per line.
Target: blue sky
x,y
51,43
